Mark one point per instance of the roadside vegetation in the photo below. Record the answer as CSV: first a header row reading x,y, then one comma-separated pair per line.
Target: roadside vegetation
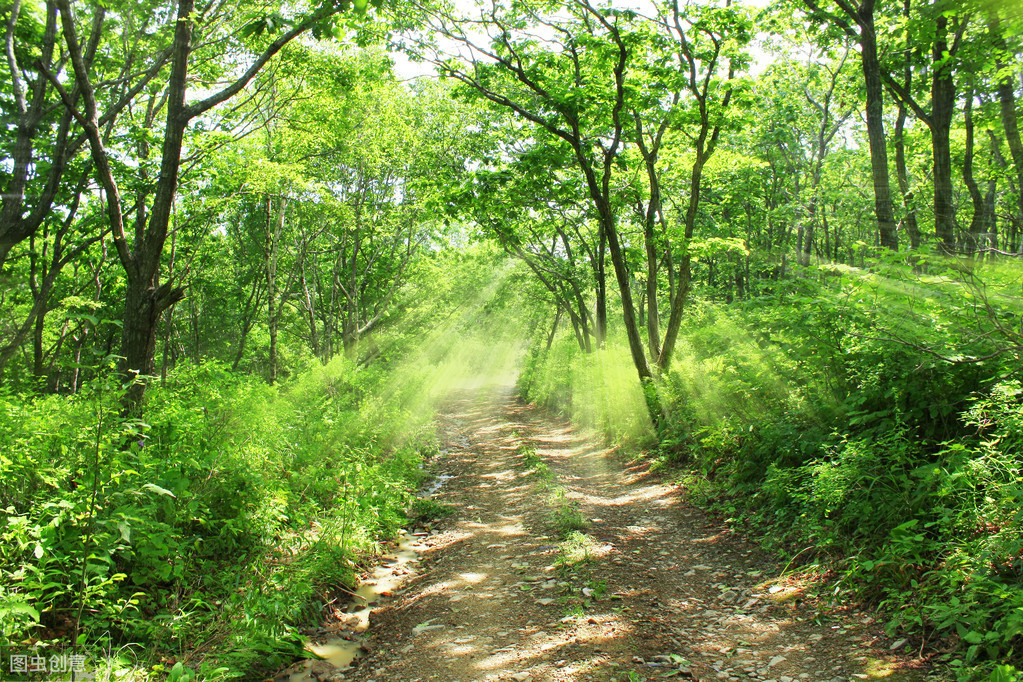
x,y
866,421
211,530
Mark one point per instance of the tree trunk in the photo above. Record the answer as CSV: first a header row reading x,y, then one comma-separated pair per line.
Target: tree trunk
x,y
274,229
628,309
600,317
143,307
942,108
554,330
653,330
875,127
808,234
169,322
249,314
703,153
901,170
146,298
1009,240
902,175
980,222
1007,106
37,345
610,233
989,208
30,105
314,340
652,217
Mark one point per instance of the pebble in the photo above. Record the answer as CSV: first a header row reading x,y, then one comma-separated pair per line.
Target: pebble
x,y
420,629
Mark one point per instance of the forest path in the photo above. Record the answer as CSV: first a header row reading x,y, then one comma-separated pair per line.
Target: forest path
x,y
666,591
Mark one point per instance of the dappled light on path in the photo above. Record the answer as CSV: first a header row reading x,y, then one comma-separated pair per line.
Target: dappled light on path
x,y
593,570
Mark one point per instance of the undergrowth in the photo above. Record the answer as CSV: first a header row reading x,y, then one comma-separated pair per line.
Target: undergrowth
x,y
205,534
874,416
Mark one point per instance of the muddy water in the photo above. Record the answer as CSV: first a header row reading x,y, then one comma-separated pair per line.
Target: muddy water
x,y
436,485
341,651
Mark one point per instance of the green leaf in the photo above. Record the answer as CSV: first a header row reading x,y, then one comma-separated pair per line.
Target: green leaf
x,y
179,673
1003,673
158,490
19,607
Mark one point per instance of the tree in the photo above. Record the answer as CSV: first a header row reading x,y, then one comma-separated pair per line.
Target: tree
x,y
865,33
139,241
809,103
535,208
946,30
577,95
1005,76
46,140
570,75
707,37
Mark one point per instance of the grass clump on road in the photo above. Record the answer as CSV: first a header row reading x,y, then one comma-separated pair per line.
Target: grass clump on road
x,y
426,509
565,516
537,467
577,548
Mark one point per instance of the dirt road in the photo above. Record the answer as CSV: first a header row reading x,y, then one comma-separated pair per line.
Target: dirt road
x,y
562,562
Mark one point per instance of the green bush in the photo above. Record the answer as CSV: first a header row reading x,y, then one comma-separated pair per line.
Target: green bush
x,y
170,531
871,419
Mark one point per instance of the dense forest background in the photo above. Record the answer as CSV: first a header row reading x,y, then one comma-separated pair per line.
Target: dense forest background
x,y
776,247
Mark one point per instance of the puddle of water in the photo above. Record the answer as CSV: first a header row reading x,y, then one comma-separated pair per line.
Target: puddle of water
x,y
339,652
436,484
383,581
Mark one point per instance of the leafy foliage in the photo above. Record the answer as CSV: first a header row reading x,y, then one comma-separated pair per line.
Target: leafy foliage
x,y
173,531
825,413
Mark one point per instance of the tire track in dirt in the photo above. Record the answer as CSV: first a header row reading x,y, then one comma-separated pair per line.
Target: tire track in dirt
x,y
666,592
